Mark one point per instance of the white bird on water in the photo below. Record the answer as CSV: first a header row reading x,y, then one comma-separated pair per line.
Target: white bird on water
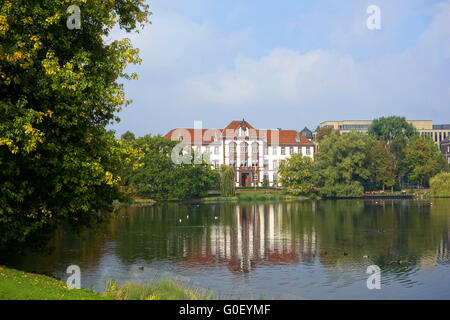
x,y
179,220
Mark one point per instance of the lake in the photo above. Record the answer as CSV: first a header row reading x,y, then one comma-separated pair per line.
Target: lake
x,y
317,249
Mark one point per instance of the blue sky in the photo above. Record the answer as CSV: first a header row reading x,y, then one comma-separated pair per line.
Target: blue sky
x,y
288,63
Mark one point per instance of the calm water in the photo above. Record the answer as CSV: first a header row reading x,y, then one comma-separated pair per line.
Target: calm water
x,y
290,250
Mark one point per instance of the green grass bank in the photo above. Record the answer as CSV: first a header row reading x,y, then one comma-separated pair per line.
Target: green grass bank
x,y
19,285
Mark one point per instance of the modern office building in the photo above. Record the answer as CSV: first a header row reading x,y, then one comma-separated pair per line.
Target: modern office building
x,y
255,154
438,132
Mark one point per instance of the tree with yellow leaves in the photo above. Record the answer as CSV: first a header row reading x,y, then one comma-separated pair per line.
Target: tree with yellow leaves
x,y
59,89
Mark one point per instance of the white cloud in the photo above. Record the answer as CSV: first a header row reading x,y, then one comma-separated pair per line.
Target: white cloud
x,y
333,84
190,72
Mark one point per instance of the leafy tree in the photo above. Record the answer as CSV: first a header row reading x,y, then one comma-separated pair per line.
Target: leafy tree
x,y
296,174
323,132
440,185
159,178
383,164
342,165
389,128
424,160
59,88
227,181
128,136
398,148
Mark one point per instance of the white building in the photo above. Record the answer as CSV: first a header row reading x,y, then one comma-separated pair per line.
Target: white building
x,y
254,153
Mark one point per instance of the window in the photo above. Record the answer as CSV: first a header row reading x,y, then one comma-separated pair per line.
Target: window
x,y
199,149
274,150
266,150
275,165
283,151
354,127
243,147
216,164
291,150
216,150
266,164
254,163
232,147
275,177
254,147
207,149
308,151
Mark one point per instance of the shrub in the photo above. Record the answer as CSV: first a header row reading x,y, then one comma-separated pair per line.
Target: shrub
x,y
354,189
440,185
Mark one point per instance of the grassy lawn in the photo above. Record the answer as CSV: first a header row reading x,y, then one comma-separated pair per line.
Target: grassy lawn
x,y
18,285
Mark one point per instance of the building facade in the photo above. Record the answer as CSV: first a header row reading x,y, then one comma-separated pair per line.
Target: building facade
x,y
445,149
438,132
254,154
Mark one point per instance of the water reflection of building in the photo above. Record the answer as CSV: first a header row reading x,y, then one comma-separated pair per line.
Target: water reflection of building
x,y
260,235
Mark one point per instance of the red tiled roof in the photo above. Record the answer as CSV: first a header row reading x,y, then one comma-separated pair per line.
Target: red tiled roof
x,y
286,137
206,136
190,135
236,124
